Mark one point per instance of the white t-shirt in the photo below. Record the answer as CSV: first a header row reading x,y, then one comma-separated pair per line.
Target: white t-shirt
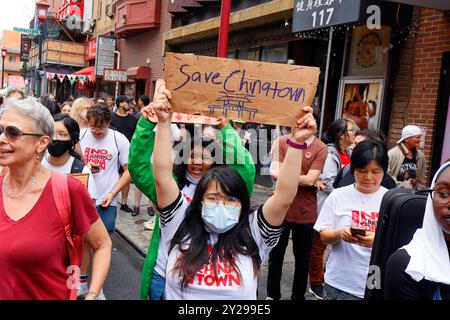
x,y
228,285
65,169
111,153
348,264
160,266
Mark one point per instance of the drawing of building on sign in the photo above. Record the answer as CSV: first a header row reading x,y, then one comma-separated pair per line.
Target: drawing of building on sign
x,y
234,103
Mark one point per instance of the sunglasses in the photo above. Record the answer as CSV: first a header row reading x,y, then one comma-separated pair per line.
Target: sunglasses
x,y
13,134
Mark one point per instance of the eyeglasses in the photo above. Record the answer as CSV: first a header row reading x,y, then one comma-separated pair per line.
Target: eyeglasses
x,y
228,201
440,196
14,134
99,130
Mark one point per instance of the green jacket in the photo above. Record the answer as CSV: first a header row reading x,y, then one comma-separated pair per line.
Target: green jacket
x,y
141,171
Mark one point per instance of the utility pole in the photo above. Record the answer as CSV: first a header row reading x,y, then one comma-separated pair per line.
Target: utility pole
x,y
222,46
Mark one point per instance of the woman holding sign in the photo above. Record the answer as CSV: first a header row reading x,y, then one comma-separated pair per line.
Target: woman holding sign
x,y
187,176
216,244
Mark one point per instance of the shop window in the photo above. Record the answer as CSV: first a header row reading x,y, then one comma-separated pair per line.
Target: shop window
x,y
252,54
12,59
275,54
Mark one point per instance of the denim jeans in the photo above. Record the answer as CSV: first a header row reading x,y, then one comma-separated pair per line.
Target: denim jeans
x,y
157,287
108,216
331,293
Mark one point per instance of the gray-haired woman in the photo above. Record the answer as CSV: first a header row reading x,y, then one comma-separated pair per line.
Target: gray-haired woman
x,y
34,257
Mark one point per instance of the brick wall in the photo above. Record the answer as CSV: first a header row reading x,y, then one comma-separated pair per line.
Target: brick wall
x,y
416,84
137,49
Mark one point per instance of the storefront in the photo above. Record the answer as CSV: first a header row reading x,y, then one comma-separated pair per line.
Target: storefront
x,y
366,56
141,77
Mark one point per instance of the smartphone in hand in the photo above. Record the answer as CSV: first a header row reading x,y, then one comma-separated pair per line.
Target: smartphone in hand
x,y
357,231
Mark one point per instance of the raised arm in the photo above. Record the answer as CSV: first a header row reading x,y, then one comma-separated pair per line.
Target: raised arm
x,y
166,188
237,157
276,207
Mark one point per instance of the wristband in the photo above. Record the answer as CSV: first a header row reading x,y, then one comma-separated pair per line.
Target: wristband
x,y
299,146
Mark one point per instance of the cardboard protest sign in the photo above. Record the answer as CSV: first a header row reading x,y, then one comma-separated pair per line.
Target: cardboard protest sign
x,y
252,91
189,118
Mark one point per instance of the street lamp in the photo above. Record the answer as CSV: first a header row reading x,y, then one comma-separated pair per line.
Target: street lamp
x,y
4,52
41,15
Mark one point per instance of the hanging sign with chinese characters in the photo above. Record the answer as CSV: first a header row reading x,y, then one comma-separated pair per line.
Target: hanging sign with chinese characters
x,y
316,14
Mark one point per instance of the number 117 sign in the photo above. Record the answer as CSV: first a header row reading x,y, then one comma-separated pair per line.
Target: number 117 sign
x,y
316,14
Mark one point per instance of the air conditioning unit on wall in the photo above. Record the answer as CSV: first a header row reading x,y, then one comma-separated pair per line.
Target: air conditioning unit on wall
x,y
110,10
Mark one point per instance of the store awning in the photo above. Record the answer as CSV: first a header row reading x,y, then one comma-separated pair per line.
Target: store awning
x,y
89,71
139,72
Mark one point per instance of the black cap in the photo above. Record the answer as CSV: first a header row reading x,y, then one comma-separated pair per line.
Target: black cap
x,y
121,99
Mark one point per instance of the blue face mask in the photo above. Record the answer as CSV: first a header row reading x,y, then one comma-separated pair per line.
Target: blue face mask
x,y
220,218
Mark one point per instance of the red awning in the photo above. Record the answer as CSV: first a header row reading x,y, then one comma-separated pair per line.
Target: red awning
x,y
140,72
89,71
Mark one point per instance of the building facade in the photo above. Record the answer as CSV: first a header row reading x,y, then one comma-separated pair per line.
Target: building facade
x,y
381,78
422,84
141,43
12,76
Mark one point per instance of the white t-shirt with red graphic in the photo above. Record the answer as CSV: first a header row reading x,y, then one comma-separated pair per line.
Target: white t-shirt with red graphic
x,y
228,285
160,266
348,264
111,152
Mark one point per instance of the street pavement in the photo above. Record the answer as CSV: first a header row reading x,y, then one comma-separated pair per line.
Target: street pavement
x,y
132,242
123,282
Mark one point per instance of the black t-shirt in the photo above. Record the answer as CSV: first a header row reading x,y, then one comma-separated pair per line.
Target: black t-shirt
x,y
400,286
125,125
408,170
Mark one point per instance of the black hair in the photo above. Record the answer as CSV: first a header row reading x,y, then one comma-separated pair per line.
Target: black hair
x,y
100,113
336,129
181,158
51,105
145,100
371,134
316,112
74,130
192,237
369,150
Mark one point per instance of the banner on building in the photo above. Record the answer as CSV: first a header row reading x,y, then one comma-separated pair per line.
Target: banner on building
x,y
16,82
115,75
253,91
361,100
311,15
105,56
369,52
61,77
91,49
25,46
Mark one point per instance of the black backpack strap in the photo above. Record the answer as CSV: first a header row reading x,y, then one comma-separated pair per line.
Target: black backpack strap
x,y
77,166
118,150
84,134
